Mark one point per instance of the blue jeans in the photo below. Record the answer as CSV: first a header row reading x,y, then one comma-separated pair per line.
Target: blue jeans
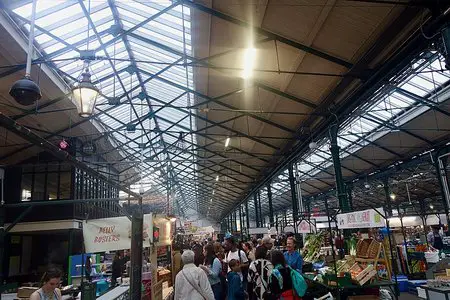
x,y
217,291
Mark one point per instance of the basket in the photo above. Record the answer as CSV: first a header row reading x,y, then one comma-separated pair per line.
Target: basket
x,y
362,247
373,250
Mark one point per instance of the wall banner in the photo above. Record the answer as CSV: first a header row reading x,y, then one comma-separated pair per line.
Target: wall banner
x,y
113,234
361,219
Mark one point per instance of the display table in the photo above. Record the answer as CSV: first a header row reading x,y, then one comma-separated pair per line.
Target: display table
x,y
120,292
434,293
345,291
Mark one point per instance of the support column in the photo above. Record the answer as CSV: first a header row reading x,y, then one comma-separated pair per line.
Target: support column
x,y
293,194
241,222
255,203
235,221
340,187
247,217
261,220
136,254
2,242
349,189
441,171
269,197
387,194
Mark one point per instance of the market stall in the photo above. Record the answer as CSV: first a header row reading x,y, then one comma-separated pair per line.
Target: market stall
x,y
365,270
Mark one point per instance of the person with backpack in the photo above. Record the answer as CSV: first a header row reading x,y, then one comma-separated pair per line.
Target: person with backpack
x,y
235,289
238,255
283,280
258,275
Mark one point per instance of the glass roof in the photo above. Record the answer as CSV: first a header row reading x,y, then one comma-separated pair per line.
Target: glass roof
x,y
142,51
142,68
392,106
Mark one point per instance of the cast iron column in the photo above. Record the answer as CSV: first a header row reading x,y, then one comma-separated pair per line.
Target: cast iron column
x,y
235,220
387,195
340,187
349,189
136,254
441,171
269,197
255,202
241,222
247,217
2,242
261,220
293,194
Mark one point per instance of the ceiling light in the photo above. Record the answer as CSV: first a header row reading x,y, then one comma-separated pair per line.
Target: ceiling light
x,y
25,91
217,178
214,192
431,206
227,142
249,62
85,95
313,145
393,196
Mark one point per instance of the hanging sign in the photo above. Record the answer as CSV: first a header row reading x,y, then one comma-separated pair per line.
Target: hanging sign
x,y
288,229
361,219
306,227
111,234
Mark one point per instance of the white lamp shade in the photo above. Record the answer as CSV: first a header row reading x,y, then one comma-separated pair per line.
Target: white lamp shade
x,y
85,95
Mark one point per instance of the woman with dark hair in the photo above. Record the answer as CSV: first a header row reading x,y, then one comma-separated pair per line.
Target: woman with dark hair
x,y
258,275
248,249
49,290
212,267
280,282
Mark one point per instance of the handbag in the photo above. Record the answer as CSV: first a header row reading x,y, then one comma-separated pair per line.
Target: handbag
x,y
193,285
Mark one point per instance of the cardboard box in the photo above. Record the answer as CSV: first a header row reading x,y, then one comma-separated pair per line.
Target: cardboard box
x,y
26,291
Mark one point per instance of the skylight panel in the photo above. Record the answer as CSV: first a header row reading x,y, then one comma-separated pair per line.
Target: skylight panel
x,y
57,16
137,6
132,17
414,89
42,5
105,13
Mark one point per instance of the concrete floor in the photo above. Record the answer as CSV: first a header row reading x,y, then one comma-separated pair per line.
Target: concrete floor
x,y
408,296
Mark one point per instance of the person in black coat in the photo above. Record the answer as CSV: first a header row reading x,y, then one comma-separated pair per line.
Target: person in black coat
x,y
116,268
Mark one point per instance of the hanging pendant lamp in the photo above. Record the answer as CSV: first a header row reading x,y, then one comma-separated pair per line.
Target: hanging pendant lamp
x,y
85,95
25,91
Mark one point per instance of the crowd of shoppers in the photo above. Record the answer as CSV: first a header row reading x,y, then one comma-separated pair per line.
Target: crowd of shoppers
x,y
230,270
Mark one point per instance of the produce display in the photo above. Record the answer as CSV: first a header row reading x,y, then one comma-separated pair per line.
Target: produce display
x,y
312,246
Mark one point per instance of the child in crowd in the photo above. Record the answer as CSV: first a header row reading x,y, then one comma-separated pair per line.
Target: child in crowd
x,y
235,288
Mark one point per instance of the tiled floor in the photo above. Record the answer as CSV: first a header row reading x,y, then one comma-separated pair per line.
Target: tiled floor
x,y
408,296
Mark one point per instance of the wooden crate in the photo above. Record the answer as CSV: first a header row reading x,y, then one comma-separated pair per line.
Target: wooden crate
x,y
362,247
364,272
368,276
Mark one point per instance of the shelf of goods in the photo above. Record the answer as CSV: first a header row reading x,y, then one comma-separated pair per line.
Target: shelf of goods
x,y
368,264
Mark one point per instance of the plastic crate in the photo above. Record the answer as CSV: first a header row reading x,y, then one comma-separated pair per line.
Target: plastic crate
x,y
413,284
402,281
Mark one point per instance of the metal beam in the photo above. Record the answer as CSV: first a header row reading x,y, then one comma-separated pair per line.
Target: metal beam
x,y
274,36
